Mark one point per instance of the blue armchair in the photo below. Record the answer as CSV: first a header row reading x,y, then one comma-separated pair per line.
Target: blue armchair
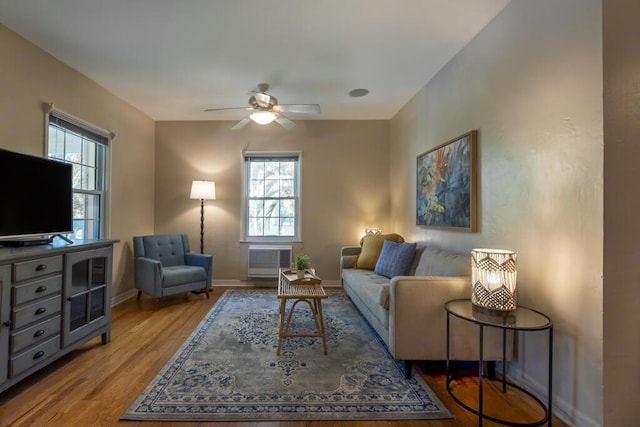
x,y
164,265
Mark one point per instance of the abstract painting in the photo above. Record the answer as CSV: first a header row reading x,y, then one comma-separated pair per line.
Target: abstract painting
x,y
445,190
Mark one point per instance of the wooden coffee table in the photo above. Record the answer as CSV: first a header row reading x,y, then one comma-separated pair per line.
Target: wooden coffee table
x,y
308,289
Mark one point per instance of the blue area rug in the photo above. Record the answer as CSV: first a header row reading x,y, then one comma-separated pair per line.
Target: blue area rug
x,y
227,370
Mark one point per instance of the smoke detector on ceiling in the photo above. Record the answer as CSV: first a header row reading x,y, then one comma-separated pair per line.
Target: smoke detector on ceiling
x,y
356,93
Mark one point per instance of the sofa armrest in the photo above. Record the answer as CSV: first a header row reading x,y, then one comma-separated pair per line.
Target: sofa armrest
x,y
201,260
348,256
350,250
417,319
148,276
348,261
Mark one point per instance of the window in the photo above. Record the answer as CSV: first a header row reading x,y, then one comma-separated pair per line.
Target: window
x,y
272,196
86,148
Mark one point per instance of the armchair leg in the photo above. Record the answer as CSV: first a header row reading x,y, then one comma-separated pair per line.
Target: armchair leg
x,y
206,291
156,303
139,295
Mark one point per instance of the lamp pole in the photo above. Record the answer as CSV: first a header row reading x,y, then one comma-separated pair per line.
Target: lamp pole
x,y
201,226
203,190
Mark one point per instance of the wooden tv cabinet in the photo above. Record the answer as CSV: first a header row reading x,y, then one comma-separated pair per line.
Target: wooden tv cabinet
x,y
53,298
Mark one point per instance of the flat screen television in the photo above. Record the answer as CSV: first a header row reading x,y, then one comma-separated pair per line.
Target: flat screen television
x,y
36,198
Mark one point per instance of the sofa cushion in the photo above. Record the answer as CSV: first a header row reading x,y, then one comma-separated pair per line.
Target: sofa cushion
x,y
395,259
416,259
434,262
363,286
371,248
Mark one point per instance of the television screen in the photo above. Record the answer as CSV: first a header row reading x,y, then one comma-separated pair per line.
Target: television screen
x,y
36,196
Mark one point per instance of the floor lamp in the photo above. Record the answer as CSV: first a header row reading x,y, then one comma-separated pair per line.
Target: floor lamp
x,y
203,190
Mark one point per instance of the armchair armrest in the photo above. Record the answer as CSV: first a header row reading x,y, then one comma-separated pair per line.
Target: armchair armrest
x,y
148,275
201,260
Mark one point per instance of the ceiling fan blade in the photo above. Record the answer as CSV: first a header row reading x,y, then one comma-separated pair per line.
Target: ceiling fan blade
x,y
284,122
242,123
262,99
232,108
298,108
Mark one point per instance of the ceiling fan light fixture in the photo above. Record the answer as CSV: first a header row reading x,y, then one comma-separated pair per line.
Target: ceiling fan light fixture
x,y
263,117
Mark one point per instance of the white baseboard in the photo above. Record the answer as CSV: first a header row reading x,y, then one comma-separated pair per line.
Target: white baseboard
x,y
561,408
118,299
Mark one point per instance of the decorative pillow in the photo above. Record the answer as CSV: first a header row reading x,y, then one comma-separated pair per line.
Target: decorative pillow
x,y
395,259
371,247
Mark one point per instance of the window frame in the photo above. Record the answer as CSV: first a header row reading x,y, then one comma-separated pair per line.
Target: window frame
x,y
244,223
104,170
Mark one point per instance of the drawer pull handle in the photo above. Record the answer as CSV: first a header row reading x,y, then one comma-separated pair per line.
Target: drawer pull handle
x,y
7,323
41,310
41,267
41,289
38,333
38,355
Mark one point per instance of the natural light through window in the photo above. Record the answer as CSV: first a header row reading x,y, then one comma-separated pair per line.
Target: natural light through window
x,y
87,152
272,196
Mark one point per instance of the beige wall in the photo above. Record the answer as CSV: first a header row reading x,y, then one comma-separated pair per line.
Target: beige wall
x,y
531,84
29,77
345,187
621,226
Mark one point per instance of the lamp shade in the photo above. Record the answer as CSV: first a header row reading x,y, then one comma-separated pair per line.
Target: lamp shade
x,y
493,279
204,190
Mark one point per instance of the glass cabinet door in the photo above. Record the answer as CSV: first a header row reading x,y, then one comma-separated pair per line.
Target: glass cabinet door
x,y
87,292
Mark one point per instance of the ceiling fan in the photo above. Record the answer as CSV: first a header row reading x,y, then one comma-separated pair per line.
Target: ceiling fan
x,y
265,109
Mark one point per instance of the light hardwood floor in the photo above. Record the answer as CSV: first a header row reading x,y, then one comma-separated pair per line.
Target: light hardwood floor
x,y
95,384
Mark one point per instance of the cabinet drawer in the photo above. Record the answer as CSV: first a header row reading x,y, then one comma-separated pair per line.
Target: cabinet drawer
x,y
35,268
36,311
32,357
37,289
35,334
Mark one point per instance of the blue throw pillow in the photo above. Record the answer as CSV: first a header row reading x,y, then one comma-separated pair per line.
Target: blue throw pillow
x,y
395,259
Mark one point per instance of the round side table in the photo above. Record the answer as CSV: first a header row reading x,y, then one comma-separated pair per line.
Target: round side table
x,y
521,319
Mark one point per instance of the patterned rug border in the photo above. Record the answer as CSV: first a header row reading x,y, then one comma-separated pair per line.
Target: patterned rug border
x,y
190,344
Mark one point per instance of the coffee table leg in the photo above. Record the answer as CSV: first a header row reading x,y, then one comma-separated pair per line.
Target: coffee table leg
x,y
321,328
283,305
315,311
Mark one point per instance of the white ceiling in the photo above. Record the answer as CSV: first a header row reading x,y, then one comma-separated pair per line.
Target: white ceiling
x,y
174,58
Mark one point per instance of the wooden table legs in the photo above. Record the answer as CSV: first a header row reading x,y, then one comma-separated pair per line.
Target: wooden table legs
x,y
315,304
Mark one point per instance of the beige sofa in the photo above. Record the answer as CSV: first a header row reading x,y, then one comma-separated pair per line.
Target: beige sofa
x,y
408,311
